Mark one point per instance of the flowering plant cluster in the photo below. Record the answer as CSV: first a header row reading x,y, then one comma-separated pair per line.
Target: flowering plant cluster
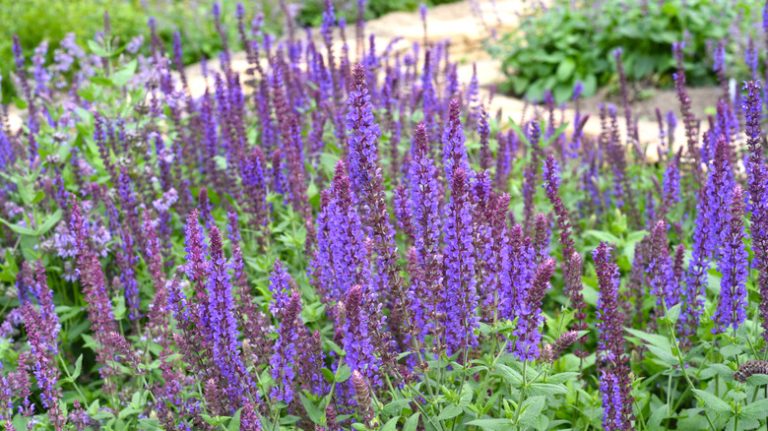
x,y
344,237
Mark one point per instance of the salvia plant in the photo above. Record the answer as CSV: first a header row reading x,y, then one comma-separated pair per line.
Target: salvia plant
x,y
343,236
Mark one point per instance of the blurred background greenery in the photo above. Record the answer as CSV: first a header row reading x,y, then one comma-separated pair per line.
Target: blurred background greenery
x,y
572,40
37,20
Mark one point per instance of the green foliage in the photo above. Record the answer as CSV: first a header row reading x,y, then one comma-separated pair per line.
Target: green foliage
x,y
35,21
311,12
555,48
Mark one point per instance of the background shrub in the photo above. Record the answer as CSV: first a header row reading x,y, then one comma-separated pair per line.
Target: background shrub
x,y
571,42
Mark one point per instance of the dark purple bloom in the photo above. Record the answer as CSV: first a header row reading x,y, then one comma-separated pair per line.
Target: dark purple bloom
x,y
528,311
571,272
734,268
363,136
758,200
663,283
221,310
341,257
425,200
530,174
42,326
613,363
484,130
283,363
454,152
461,298
357,340
112,344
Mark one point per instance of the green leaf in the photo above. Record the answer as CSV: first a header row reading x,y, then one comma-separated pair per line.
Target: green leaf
x,y
449,412
466,395
328,375
122,76
412,423
659,341
395,406
342,374
658,415
316,415
49,222
492,424
531,408
78,369
547,389
603,236
757,410
511,376
756,379
712,401
391,424
565,69
21,230
97,49
562,377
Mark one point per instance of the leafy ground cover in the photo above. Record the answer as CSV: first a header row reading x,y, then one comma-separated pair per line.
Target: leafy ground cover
x,y
572,42
328,242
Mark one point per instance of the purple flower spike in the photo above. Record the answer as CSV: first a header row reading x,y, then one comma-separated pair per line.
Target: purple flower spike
x,y
613,363
460,292
734,267
364,134
283,363
528,329
454,152
357,341
660,268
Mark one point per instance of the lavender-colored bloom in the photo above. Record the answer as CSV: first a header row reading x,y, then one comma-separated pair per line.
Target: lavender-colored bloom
x,y
528,311
615,384
42,326
40,73
671,127
689,120
425,198
357,341
178,57
711,219
112,345
610,326
283,362
484,130
363,136
280,285
578,90
454,152
571,272
751,57
341,257
663,283
221,310
758,200
460,299
671,183
530,174
733,264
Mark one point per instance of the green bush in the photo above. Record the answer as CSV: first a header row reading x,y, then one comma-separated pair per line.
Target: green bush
x,y
311,13
565,43
37,20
